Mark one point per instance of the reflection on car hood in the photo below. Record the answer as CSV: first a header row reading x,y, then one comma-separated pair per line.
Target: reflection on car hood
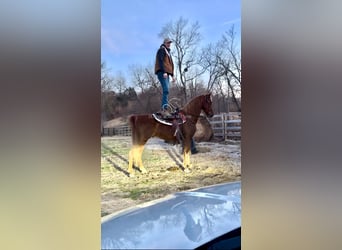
x,y
182,220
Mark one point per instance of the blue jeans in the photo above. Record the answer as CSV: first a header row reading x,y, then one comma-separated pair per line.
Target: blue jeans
x,y
165,82
193,146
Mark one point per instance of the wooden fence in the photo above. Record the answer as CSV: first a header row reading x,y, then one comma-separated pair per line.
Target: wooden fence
x,y
225,126
122,130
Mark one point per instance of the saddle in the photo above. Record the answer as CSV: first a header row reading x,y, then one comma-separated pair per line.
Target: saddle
x,y
174,119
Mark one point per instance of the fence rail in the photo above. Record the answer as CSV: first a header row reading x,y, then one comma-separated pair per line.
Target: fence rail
x,y
122,130
225,126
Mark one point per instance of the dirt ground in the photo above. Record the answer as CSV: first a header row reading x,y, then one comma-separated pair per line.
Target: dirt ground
x,y
216,162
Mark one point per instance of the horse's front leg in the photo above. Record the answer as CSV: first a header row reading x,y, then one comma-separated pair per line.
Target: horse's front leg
x,y
186,158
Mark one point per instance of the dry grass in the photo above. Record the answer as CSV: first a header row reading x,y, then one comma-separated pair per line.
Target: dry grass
x,y
215,163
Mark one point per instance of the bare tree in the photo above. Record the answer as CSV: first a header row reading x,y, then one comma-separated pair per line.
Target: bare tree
x,y
106,94
222,62
210,63
138,77
234,55
152,78
146,81
119,82
106,80
230,62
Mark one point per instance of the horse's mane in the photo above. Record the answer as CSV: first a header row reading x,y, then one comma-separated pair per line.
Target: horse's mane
x,y
192,103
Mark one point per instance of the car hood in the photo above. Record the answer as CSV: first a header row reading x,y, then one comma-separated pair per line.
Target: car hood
x,y
182,220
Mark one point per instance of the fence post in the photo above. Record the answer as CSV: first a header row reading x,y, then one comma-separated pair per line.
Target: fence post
x,y
226,126
223,126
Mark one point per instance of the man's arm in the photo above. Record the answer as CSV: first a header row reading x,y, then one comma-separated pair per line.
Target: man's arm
x,y
160,56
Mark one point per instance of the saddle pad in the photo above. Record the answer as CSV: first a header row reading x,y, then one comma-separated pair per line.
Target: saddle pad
x,y
169,121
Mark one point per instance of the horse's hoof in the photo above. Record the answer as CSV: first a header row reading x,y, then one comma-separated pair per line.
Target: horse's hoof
x,y
131,175
144,171
186,170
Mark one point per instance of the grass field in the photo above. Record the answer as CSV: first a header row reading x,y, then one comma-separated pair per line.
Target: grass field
x,y
215,163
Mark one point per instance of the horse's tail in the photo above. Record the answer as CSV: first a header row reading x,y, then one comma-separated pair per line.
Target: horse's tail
x,y
132,122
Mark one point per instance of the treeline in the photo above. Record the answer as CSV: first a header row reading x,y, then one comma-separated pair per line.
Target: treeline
x,y
129,102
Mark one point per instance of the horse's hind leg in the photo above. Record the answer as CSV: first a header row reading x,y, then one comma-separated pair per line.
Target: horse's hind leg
x,y
134,157
131,161
140,150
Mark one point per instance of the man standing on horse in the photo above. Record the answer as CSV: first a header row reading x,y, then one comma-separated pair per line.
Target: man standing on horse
x,y
164,70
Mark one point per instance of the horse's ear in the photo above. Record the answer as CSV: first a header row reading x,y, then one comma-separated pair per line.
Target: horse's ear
x,y
208,97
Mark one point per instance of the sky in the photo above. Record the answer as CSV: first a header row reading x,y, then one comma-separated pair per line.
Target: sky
x,y
130,28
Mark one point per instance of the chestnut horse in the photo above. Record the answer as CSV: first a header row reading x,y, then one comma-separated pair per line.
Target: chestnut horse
x,y
145,126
